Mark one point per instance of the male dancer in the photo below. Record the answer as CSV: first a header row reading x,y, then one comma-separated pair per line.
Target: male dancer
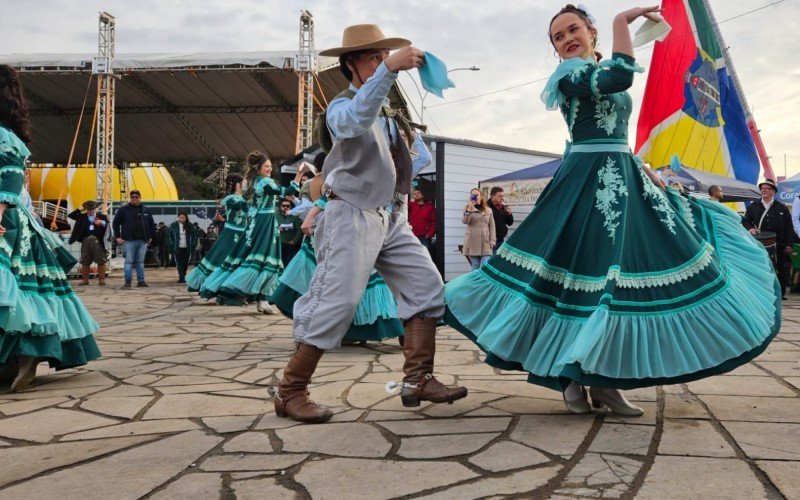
x,y
368,166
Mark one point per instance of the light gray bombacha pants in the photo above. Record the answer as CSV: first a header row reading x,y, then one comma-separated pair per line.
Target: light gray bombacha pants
x,y
348,243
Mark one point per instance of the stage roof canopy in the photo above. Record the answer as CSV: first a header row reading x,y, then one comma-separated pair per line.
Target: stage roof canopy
x,y
173,108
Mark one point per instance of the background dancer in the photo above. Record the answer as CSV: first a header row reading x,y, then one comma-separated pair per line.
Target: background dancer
x,y
256,275
369,164
41,318
611,281
235,226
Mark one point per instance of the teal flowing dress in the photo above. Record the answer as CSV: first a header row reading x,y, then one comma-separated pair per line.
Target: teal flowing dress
x,y
255,275
235,226
375,318
40,315
612,281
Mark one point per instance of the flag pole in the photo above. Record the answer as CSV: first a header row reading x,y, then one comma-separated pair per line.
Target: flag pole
x,y
751,122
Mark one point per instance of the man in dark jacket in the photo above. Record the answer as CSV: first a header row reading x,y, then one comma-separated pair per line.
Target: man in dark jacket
x,y
133,228
769,214
90,231
289,227
502,215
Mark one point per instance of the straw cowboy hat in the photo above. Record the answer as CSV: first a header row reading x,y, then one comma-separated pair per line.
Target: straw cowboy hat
x,y
770,183
362,37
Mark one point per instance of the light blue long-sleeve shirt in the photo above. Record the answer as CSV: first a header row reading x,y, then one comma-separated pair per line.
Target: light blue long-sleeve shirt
x,y
348,118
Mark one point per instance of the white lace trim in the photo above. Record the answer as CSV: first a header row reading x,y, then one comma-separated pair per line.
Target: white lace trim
x,y
606,114
688,216
659,201
593,83
583,283
577,73
611,189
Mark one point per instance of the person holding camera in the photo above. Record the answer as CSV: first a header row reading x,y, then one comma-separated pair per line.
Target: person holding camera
x,y
480,238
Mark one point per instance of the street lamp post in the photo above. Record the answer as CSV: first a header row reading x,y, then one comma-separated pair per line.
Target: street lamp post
x,y
422,97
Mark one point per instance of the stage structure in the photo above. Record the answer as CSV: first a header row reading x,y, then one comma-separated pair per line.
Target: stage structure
x,y
306,67
102,66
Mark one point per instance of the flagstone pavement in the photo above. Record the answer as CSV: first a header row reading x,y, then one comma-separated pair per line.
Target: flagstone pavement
x,y
178,408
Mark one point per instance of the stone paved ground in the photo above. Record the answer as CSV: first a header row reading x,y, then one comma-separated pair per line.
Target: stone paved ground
x,y
177,408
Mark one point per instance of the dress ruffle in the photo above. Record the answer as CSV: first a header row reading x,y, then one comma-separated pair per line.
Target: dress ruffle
x,y
24,313
715,335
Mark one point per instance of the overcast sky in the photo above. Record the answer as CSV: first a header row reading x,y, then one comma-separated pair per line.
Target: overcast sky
x,y
506,39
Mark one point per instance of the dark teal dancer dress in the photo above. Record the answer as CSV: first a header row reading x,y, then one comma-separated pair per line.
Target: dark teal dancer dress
x,y
256,274
40,315
612,281
235,226
376,314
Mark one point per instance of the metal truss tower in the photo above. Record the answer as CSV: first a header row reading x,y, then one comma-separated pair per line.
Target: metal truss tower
x,y
102,67
306,66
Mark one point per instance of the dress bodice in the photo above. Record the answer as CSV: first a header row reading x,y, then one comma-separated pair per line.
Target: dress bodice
x,y
266,192
597,118
235,210
592,97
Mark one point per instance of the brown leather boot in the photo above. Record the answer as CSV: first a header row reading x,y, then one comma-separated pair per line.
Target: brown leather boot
x,y
85,275
291,397
101,274
419,384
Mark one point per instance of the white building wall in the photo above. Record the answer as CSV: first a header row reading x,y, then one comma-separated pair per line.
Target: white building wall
x,y
465,166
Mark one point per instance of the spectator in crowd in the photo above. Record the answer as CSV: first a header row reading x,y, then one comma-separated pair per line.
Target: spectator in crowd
x,y
199,247
503,218
770,214
422,217
715,193
183,239
480,237
155,245
133,228
90,232
162,237
289,227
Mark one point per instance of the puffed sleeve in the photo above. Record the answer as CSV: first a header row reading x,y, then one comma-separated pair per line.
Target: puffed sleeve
x,y
595,80
12,167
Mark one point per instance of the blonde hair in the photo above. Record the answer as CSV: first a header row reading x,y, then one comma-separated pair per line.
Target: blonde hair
x,y
482,205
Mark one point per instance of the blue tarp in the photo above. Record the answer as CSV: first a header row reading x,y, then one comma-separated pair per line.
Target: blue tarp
x,y
541,171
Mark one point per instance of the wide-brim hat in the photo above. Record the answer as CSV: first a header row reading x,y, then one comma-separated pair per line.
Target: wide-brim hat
x,y
363,37
770,183
90,205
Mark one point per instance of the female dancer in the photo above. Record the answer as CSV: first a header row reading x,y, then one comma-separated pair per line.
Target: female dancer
x,y
41,318
612,281
376,314
480,235
235,225
256,275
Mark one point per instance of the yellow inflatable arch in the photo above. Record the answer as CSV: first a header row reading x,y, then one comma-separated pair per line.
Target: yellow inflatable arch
x,y
154,182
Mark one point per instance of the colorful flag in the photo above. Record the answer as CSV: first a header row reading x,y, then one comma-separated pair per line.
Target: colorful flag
x,y
691,108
